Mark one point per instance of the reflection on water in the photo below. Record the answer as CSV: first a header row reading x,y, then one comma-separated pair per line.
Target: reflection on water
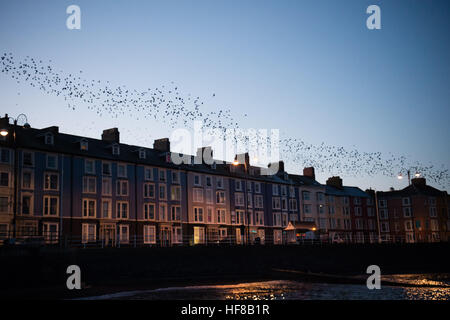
x,y
293,290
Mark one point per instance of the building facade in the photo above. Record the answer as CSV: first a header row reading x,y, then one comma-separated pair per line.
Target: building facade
x,y
73,190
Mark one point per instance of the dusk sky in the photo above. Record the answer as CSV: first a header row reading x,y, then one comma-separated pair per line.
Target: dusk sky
x,y
309,68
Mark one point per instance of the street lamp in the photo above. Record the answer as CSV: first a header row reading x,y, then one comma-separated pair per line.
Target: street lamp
x,y
400,175
4,132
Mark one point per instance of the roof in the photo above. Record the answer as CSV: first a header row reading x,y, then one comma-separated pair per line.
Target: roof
x,y
32,138
346,192
413,189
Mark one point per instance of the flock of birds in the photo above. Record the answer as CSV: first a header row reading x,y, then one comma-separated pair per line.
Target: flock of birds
x,y
168,105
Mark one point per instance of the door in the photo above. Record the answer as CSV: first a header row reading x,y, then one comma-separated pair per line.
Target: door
x,y
165,236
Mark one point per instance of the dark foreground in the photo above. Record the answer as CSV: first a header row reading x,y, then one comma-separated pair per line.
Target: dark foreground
x,y
40,273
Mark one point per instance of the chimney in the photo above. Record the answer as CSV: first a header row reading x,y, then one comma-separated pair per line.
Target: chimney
x,y
309,172
206,154
111,135
335,182
52,129
162,145
243,158
280,166
391,189
418,181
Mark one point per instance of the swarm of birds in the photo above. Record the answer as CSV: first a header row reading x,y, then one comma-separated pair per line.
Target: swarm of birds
x,y
170,106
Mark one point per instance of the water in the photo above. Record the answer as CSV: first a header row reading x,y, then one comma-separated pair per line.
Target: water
x,y
294,290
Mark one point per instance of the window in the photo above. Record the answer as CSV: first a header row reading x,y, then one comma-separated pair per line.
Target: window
x,y
50,232
48,138
4,205
52,162
5,155
239,199
209,196
198,195
162,192
277,219
382,203
27,204
238,184
163,212
175,213
208,181
331,210
220,197
28,158
106,209
4,179
432,211
274,190
106,186
284,204
89,184
3,231
370,212
142,154
89,208
369,201
123,233
249,186
240,218
221,216
89,232
177,235
358,211
276,203
148,174
259,217
292,192
115,149
331,199
407,212
106,168
121,170
175,177
307,208
209,215
198,214
51,207
149,190
199,235
408,225
249,200
122,187
384,226
162,175
357,200
432,201
122,210
219,182
283,190
149,211
50,181
384,214
320,196
175,193
89,166
259,201
306,195
257,187
345,201
406,201
84,145
149,234
293,204
359,224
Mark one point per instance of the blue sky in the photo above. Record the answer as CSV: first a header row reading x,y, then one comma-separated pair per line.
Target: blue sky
x,y
309,68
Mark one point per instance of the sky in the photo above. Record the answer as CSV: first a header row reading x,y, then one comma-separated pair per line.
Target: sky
x,y
311,69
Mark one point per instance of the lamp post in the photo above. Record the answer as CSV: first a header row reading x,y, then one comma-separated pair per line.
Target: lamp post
x,y
408,172
4,132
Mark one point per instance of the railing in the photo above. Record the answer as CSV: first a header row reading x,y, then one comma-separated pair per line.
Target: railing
x,y
53,239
